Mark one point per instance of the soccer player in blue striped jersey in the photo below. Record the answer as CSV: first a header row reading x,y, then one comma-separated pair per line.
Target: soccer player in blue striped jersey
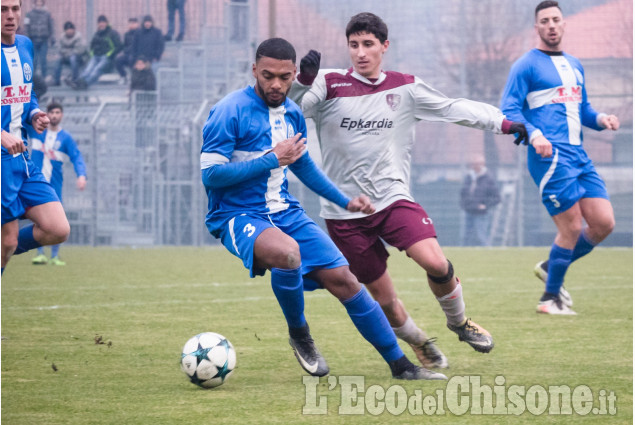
x,y
49,151
25,191
251,139
546,91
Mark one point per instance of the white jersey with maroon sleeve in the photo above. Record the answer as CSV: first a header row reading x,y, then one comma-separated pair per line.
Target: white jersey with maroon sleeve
x,y
366,130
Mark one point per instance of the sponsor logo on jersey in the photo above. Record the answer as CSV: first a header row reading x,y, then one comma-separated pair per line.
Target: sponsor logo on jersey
x,y
393,100
567,94
341,85
363,124
18,93
27,72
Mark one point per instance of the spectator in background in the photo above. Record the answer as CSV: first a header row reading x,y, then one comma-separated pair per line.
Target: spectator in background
x,y
125,58
142,75
148,42
479,194
73,51
173,6
39,28
103,48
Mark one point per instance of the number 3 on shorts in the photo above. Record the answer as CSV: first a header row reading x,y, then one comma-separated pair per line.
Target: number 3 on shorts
x,y
249,229
553,199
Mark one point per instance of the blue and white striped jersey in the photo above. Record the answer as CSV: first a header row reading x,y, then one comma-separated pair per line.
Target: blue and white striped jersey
x,y
546,92
50,150
239,171
19,102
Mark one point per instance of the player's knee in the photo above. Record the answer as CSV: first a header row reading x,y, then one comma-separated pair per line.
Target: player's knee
x,y
59,233
606,227
441,275
9,244
288,257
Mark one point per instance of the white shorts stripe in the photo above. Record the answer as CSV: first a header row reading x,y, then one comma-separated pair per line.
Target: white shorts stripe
x,y
550,171
233,235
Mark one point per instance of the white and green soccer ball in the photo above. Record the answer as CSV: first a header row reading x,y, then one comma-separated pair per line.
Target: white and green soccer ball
x,y
208,359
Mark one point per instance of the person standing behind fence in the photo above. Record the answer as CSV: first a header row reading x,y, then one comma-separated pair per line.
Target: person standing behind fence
x,y
142,76
103,48
125,57
49,151
173,6
479,194
73,51
546,91
148,42
39,28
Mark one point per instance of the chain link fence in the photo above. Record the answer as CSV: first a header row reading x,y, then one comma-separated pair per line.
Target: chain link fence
x,y
142,149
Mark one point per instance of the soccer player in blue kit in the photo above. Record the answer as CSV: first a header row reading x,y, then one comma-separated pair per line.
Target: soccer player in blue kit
x,y
250,140
49,151
25,191
545,91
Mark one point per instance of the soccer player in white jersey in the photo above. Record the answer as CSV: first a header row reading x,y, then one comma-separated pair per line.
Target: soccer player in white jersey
x,y
251,139
545,90
25,191
365,118
49,151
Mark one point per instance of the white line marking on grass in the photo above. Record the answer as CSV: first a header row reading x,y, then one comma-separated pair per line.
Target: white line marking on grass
x,y
115,286
147,303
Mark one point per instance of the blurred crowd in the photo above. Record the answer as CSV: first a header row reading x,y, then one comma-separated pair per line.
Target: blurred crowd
x,y
80,61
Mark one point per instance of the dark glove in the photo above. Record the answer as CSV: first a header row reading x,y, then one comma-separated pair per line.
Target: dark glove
x,y
511,127
309,67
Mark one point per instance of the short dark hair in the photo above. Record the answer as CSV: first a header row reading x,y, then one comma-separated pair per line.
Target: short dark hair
x,y
546,5
367,22
54,105
133,19
276,48
68,25
102,18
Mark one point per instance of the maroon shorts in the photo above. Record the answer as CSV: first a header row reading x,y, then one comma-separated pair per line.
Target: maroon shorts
x,y
401,225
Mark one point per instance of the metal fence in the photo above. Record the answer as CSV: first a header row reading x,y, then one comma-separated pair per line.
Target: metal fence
x,y
142,150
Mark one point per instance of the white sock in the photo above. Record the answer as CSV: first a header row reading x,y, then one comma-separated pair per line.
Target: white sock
x,y
410,332
453,306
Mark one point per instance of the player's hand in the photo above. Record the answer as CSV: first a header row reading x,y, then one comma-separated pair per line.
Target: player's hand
x,y
309,67
290,150
361,203
40,121
12,144
610,122
81,182
512,127
543,146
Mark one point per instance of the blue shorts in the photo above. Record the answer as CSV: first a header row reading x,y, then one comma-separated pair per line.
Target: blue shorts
x,y
565,178
23,186
316,249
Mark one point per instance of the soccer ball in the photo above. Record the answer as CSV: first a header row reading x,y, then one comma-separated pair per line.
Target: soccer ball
x,y
208,359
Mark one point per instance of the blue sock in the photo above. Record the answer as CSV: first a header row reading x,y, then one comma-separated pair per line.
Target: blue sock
x,y
26,241
559,261
2,271
40,250
582,247
287,286
371,322
55,249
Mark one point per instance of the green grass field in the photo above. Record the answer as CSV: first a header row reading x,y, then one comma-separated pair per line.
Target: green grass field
x,y
143,304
